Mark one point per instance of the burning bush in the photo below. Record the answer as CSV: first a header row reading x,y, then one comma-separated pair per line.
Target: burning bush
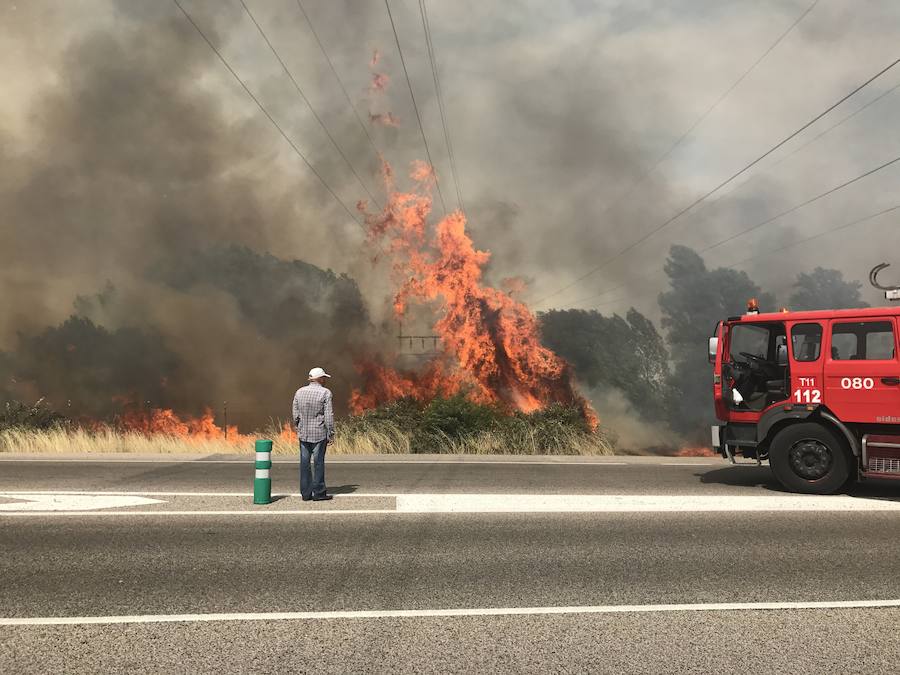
x,y
444,425
490,347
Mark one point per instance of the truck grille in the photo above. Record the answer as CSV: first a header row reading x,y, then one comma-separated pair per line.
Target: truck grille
x,y
884,464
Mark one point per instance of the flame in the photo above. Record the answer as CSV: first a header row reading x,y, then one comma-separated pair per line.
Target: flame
x,y
379,82
376,94
491,349
385,119
166,422
696,451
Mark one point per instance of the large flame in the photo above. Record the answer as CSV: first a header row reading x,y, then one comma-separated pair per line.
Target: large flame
x,y
166,422
490,342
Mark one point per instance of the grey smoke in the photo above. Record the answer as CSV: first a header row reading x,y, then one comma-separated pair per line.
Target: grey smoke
x,y
126,145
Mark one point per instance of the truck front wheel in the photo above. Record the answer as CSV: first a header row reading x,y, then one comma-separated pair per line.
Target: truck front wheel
x,y
809,458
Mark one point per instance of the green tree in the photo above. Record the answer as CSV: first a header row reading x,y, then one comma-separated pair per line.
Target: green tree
x,y
627,354
696,301
82,368
825,289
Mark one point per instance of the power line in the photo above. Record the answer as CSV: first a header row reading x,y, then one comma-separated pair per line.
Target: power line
x,y
710,109
437,183
338,78
269,116
765,222
801,205
423,11
812,140
805,145
805,240
718,187
859,221
307,102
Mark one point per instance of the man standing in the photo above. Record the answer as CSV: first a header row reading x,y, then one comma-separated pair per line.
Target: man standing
x,y
314,419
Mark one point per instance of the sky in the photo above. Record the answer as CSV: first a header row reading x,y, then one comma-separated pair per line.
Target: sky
x,y
556,113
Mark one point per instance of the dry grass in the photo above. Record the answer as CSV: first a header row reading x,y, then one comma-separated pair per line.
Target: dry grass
x,y
385,439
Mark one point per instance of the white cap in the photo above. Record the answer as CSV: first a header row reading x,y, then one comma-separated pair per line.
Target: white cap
x,y
316,373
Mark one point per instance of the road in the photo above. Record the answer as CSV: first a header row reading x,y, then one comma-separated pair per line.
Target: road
x,y
560,591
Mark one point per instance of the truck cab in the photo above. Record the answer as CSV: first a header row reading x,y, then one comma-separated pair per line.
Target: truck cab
x,y
815,393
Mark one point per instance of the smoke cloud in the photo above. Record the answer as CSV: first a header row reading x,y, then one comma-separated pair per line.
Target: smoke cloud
x,y
137,199
139,177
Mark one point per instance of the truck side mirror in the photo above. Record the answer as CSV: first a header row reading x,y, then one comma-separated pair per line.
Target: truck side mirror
x,y
713,348
781,355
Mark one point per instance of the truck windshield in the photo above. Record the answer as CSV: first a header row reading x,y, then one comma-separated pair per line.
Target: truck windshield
x,y
749,339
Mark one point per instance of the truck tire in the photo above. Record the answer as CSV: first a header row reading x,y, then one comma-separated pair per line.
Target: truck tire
x,y
809,458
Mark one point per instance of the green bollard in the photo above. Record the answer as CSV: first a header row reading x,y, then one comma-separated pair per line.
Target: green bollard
x,y
262,483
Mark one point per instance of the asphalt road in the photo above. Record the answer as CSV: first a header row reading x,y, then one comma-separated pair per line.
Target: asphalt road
x,y
623,475
93,566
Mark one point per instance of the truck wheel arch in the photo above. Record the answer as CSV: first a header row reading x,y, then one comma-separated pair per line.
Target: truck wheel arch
x,y
774,420
777,419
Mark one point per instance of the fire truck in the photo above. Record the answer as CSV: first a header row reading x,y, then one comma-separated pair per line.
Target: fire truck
x,y
817,393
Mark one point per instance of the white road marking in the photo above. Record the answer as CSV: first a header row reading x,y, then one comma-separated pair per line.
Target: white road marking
x,y
506,503
469,503
37,502
458,612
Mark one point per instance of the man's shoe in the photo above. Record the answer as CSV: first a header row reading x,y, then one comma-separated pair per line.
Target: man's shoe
x,y
306,499
322,498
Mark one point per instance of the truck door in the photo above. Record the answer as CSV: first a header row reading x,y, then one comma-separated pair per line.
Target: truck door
x,y
716,348
806,362
862,371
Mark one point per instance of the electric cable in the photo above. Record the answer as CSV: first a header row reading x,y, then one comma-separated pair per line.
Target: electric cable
x,y
805,145
307,102
859,221
763,223
437,183
337,77
423,11
269,116
718,187
709,110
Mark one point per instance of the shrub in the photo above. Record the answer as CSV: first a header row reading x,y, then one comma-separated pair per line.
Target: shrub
x,y
39,415
457,425
457,417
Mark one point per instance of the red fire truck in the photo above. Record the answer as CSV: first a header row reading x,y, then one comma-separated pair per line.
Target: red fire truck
x,y
815,393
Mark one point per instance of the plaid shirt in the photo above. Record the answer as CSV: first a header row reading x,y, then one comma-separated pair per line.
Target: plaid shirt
x,y
312,413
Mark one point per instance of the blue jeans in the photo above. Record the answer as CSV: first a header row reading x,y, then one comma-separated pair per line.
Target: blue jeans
x,y
312,483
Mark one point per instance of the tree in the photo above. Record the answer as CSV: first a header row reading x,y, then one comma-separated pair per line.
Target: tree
x,y
627,354
825,289
273,319
697,300
84,369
